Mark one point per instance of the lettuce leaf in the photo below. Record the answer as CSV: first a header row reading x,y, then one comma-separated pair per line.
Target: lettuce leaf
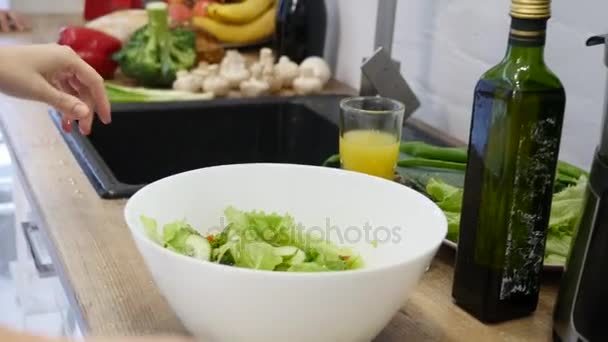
x,y
151,229
453,225
566,209
447,197
256,240
257,255
280,231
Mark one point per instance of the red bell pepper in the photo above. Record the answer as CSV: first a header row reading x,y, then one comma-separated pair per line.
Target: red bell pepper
x,y
93,46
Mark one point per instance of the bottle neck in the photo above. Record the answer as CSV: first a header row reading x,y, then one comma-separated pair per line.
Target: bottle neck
x,y
527,41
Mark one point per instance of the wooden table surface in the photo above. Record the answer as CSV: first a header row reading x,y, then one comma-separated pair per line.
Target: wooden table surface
x,y
106,275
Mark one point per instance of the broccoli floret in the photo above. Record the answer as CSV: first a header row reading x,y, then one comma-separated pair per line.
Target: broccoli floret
x,y
155,53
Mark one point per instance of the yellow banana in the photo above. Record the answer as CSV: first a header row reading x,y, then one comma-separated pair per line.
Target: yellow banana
x,y
240,12
252,32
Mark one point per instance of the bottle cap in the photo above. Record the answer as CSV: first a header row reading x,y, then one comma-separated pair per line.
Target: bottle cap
x,y
531,9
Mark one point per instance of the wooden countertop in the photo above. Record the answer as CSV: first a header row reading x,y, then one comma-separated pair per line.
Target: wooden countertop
x,y
106,275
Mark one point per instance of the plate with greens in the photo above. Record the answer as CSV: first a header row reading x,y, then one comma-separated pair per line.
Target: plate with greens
x,y
439,173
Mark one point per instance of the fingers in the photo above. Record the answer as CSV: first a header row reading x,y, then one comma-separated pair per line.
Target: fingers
x,y
4,22
19,22
9,21
66,124
95,86
61,82
70,106
82,92
71,85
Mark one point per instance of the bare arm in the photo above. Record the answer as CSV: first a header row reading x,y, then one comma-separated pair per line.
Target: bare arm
x,y
58,76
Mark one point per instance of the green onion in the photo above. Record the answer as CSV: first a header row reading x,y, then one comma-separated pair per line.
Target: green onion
x,y
121,94
423,150
570,170
440,164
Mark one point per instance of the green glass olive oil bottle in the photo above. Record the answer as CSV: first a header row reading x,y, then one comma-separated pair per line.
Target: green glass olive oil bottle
x,y
514,142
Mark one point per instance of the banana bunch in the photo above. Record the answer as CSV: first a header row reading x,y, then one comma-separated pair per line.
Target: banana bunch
x,y
244,22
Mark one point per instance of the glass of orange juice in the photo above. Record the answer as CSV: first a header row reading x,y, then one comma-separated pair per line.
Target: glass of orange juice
x,y
370,133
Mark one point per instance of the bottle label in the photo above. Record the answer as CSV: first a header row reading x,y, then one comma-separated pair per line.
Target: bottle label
x,y
528,216
528,32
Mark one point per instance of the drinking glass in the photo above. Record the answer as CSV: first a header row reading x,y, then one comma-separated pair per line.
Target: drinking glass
x,y
370,133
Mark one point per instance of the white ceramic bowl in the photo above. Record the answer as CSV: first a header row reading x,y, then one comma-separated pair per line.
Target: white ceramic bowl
x,y
223,303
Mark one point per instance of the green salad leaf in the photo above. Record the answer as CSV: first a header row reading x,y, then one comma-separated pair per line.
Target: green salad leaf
x,y
447,197
178,237
566,209
453,225
258,255
151,229
256,240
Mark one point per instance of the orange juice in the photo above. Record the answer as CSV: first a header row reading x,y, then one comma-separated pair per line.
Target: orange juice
x,y
371,152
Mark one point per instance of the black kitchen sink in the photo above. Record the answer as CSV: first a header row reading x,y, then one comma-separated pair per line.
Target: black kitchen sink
x,y
150,141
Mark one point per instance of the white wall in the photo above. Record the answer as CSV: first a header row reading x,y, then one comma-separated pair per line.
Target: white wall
x,y
445,45
47,6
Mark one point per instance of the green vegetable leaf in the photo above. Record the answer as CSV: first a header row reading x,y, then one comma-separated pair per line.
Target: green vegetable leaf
x,y
176,235
282,230
297,258
151,229
566,209
286,251
258,256
558,244
453,225
554,259
447,197
308,267
257,240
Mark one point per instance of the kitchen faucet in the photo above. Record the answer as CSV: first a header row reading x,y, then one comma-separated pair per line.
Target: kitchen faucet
x,y
380,74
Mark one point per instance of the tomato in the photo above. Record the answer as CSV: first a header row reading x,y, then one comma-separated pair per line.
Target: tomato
x,y
179,12
200,8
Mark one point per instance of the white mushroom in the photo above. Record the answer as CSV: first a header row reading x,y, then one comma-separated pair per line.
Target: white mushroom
x,y
266,56
307,83
234,70
255,86
235,75
202,70
181,73
232,57
214,83
269,75
319,66
189,83
256,70
286,71
202,65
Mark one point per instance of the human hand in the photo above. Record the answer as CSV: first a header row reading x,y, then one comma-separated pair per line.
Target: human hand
x,y
12,21
55,75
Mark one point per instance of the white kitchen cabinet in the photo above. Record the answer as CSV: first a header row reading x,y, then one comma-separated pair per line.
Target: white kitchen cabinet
x,y
41,298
